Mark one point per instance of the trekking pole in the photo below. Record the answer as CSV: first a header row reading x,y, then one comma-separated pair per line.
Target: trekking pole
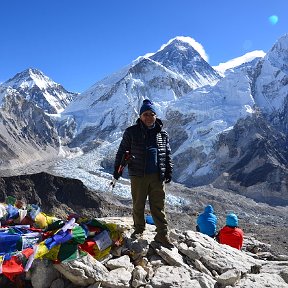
x,y
126,158
113,183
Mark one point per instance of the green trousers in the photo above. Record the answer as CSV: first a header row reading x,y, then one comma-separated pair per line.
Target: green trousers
x,y
152,188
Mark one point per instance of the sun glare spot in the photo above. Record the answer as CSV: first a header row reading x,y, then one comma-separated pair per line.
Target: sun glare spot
x,y
273,19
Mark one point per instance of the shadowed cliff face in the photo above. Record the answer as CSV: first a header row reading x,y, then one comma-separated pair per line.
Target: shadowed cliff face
x,y
55,195
255,162
25,130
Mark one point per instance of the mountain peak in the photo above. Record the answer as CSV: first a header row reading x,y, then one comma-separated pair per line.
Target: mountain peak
x,y
36,74
40,89
29,72
282,42
246,58
29,78
183,43
277,56
32,71
183,55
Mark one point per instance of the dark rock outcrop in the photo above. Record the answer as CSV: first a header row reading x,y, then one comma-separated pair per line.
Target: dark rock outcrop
x,y
254,160
58,195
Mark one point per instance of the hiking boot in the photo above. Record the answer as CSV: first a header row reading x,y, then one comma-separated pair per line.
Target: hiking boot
x,y
137,234
163,240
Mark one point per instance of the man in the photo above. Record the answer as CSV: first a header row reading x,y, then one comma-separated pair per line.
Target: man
x,y
207,222
231,234
149,170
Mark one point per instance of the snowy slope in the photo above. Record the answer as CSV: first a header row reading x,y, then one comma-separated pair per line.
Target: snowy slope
x,y
196,104
27,134
180,56
164,76
271,87
239,61
41,90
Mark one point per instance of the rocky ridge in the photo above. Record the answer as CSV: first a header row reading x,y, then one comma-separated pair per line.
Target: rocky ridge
x,y
252,159
196,260
60,196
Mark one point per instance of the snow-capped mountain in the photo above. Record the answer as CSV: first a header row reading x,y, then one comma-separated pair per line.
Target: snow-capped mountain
x,y
252,158
27,133
218,111
163,77
202,106
42,91
203,115
202,111
271,85
196,117
28,130
239,62
180,57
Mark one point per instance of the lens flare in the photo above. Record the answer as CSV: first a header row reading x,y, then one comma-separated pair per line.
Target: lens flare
x,y
273,19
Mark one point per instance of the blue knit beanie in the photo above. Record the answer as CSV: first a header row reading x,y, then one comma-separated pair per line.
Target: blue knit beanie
x,y
147,105
232,220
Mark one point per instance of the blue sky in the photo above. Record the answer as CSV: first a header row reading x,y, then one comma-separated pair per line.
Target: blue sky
x,y
76,43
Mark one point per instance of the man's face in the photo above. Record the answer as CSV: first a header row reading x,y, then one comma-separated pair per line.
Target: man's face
x,y
148,118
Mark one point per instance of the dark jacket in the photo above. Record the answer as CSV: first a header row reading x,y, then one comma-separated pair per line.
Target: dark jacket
x,y
134,140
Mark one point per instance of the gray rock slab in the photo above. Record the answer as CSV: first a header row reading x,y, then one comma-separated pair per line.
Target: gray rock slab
x,y
83,271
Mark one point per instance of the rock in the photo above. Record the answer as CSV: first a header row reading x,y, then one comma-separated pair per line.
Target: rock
x,y
229,277
121,262
284,274
58,283
43,274
171,257
215,256
117,278
196,261
173,276
139,276
200,267
83,271
156,261
138,248
262,280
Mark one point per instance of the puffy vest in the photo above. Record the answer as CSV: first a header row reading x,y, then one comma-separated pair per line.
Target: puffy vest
x,y
134,140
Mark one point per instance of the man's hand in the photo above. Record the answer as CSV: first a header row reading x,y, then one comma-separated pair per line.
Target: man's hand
x,y
117,174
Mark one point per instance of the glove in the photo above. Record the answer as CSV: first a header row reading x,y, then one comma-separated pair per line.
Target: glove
x,y
116,174
168,178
